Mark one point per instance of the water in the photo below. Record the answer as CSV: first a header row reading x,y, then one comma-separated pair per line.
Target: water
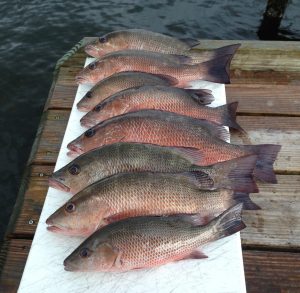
x,y
35,34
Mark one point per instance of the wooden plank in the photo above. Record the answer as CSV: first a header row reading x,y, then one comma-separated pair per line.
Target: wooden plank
x,y
265,98
274,130
13,257
50,137
277,224
272,272
26,222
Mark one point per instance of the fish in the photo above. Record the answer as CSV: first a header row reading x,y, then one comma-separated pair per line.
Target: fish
x,y
123,157
169,129
139,39
164,98
124,80
144,242
180,68
141,194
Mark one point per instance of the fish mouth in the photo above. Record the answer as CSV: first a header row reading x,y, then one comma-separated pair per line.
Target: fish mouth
x,y
93,51
83,108
74,147
81,79
57,184
69,267
87,122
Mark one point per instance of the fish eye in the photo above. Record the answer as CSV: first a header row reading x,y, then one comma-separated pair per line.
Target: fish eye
x,y
98,108
92,66
102,40
70,207
85,252
88,94
74,169
90,132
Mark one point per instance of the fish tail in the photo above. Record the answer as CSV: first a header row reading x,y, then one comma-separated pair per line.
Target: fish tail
x,y
236,174
266,155
244,198
228,223
216,70
201,96
228,116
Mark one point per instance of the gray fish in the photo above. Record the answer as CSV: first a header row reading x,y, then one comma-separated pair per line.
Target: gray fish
x,y
133,157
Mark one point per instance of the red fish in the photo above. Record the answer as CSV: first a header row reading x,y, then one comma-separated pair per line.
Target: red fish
x,y
164,98
180,68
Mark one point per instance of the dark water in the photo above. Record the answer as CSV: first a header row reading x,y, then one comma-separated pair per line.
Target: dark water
x,y
35,34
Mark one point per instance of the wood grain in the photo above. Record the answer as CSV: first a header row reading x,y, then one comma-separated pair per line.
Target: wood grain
x,y
272,272
13,257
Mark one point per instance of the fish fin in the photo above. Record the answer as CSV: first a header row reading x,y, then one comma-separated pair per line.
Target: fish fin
x,y
266,155
196,254
228,223
196,219
236,174
192,154
190,42
228,114
248,204
216,130
170,79
201,96
216,70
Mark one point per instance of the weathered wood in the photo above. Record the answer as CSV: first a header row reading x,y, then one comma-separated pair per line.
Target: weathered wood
x,y
272,272
265,99
13,257
277,224
50,137
26,222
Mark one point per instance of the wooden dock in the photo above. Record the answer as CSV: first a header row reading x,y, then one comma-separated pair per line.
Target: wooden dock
x,y
266,82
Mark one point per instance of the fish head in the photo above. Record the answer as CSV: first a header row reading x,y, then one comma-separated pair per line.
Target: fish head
x,y
111,42
92,73
73,176
92,255
87,101
99,113
85,142
80,216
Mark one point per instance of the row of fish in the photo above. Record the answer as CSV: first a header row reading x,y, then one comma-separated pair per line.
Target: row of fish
x,y
154,177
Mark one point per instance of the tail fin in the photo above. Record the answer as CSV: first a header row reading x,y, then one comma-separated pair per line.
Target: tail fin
x,y
236,174
202,56
228,222
248,204
203,97
266,155
216,70
228,114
